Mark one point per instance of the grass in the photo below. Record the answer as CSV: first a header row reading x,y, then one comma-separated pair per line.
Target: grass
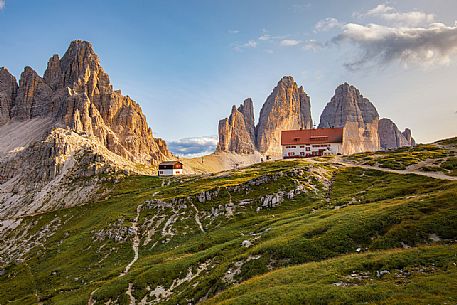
x,y
402,158
451,165
342,220
424,275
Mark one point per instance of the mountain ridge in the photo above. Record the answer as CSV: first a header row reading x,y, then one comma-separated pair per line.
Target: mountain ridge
x,y
289,107
83,128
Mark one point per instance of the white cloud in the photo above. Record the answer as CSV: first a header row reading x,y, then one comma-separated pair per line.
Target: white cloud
x,y
311,45
233,31
327,24
265,37
248,45
193,147
394,17
289,42
379,44
2,4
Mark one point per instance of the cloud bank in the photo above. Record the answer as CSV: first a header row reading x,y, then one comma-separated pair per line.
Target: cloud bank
x,y
193,147
411,38
392,16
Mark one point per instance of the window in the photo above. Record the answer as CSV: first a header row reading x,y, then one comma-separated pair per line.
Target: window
x,y
308,148
302,153
302,146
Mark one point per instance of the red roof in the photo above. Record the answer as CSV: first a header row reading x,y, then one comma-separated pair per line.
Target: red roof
x,y
312,136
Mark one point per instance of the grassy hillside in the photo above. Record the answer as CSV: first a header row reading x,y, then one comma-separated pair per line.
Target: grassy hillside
x,y
285,232
436,157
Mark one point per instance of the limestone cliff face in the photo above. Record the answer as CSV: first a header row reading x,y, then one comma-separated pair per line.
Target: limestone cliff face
x,y
67,124
76,93
33,98
236,133
8,91
287,107
349,109
391,137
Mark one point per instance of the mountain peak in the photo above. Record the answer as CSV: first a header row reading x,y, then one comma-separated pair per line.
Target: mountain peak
x,y
79,65
287,107
287,81
77,45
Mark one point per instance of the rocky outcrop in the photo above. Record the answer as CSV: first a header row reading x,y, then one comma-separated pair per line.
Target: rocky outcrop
x,y
236,133
391,137
408,136
287,107
33,98
247,109
349,109
8,91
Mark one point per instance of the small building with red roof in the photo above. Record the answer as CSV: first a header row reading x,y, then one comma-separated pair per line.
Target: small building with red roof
x,y
305,143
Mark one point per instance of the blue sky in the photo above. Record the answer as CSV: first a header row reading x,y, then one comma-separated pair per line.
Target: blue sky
x,y
187,62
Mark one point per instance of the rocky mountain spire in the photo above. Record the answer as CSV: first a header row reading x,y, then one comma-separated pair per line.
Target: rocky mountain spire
x,y
287,107
391,137
76,93
408,136
53,75
247,109
8,91
348,108
33,98
236,133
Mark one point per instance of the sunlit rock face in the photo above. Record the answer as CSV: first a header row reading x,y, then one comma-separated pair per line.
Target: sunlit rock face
x,y
76,93
237,132
67,124
360,119
288,107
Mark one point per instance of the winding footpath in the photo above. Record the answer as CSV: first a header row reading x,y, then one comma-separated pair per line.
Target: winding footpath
x,y
136,241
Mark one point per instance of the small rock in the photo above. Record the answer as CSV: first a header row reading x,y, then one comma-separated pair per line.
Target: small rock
x,y
382,273
246,243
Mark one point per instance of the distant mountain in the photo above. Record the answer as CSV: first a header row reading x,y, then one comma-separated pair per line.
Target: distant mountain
x,y
237,132
363,130
287,107
349,109
391,137
68,121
